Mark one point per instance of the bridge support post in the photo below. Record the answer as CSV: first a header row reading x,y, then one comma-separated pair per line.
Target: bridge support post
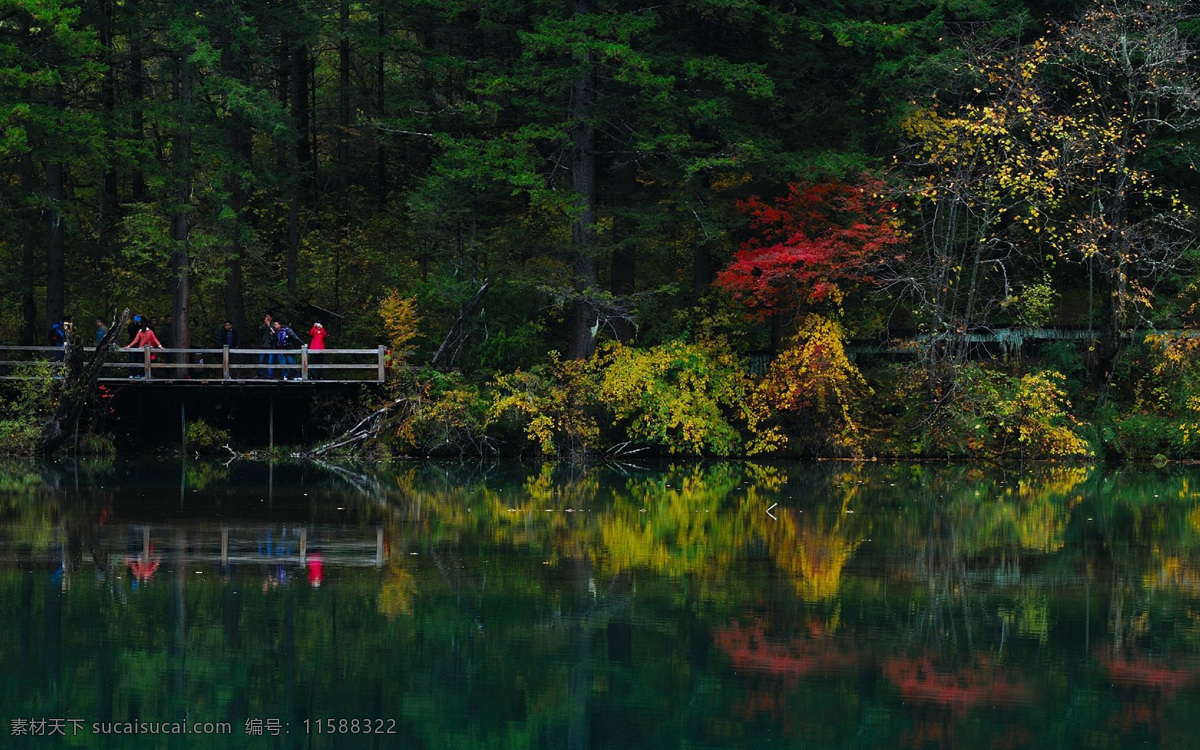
x,y
379,547
271,423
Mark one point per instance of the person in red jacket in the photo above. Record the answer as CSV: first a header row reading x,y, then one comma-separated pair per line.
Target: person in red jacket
x,y
145,337
316,344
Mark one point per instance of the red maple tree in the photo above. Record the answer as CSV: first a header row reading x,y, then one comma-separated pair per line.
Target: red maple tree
x,y
811,244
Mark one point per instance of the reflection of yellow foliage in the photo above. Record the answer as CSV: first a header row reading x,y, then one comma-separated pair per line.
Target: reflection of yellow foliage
x,y
1033,514
540,487
1055,481
764,477
396,596
1174,573
1042,517
1041,527
814,556
686,527
521,518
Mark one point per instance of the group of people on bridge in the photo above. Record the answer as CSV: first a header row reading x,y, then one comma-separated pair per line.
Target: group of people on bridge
x,y
277,335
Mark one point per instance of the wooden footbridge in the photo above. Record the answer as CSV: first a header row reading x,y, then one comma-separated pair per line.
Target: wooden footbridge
x,y
209,367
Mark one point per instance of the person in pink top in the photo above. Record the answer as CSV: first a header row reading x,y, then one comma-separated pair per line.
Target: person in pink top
x,y
316,344
144,338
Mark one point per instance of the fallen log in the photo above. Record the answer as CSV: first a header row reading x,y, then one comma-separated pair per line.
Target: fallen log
x,y
367,430
77,384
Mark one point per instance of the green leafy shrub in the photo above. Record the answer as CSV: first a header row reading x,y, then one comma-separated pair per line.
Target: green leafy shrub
x,y
19,436
97,445
687,398
204,438
505,350
1001,415
26,405
1138,435
1065,357
1164,416
441,415
554,407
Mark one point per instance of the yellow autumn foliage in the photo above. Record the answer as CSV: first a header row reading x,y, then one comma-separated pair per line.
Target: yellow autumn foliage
x,y
687,398
400,321
555,406
815,380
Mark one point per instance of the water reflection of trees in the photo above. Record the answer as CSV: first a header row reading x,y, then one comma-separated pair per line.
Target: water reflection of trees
x,y
581,595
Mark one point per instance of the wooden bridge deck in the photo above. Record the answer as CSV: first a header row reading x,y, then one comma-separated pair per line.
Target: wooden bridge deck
x,y
208,367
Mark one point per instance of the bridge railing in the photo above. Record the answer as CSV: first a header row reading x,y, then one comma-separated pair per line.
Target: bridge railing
x,y
225,364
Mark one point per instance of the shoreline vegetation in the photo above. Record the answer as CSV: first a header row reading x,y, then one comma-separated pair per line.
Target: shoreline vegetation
x,y
699,401
608,230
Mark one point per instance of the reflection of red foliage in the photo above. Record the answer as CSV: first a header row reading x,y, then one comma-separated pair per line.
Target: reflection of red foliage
x,y
750,650
920,682
775,662
1148,685
1139,672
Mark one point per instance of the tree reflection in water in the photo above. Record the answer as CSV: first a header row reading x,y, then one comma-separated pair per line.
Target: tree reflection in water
x,y
552,606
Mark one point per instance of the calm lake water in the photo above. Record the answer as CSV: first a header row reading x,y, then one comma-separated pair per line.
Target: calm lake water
x,y
832,605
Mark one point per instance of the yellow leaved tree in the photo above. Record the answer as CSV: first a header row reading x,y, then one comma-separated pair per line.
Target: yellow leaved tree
x,y
815,383
401,322
1044,154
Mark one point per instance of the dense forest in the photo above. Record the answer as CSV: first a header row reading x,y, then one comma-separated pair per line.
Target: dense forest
x,y
714,227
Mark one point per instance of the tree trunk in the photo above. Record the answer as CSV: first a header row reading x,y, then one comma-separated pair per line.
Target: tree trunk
x,y
623,275
458,333
180,219
582,333
106,222
381,184
702,267
238,136
778,334
235,288
29,270
300,160
343,133
55,261
137,89
78,384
